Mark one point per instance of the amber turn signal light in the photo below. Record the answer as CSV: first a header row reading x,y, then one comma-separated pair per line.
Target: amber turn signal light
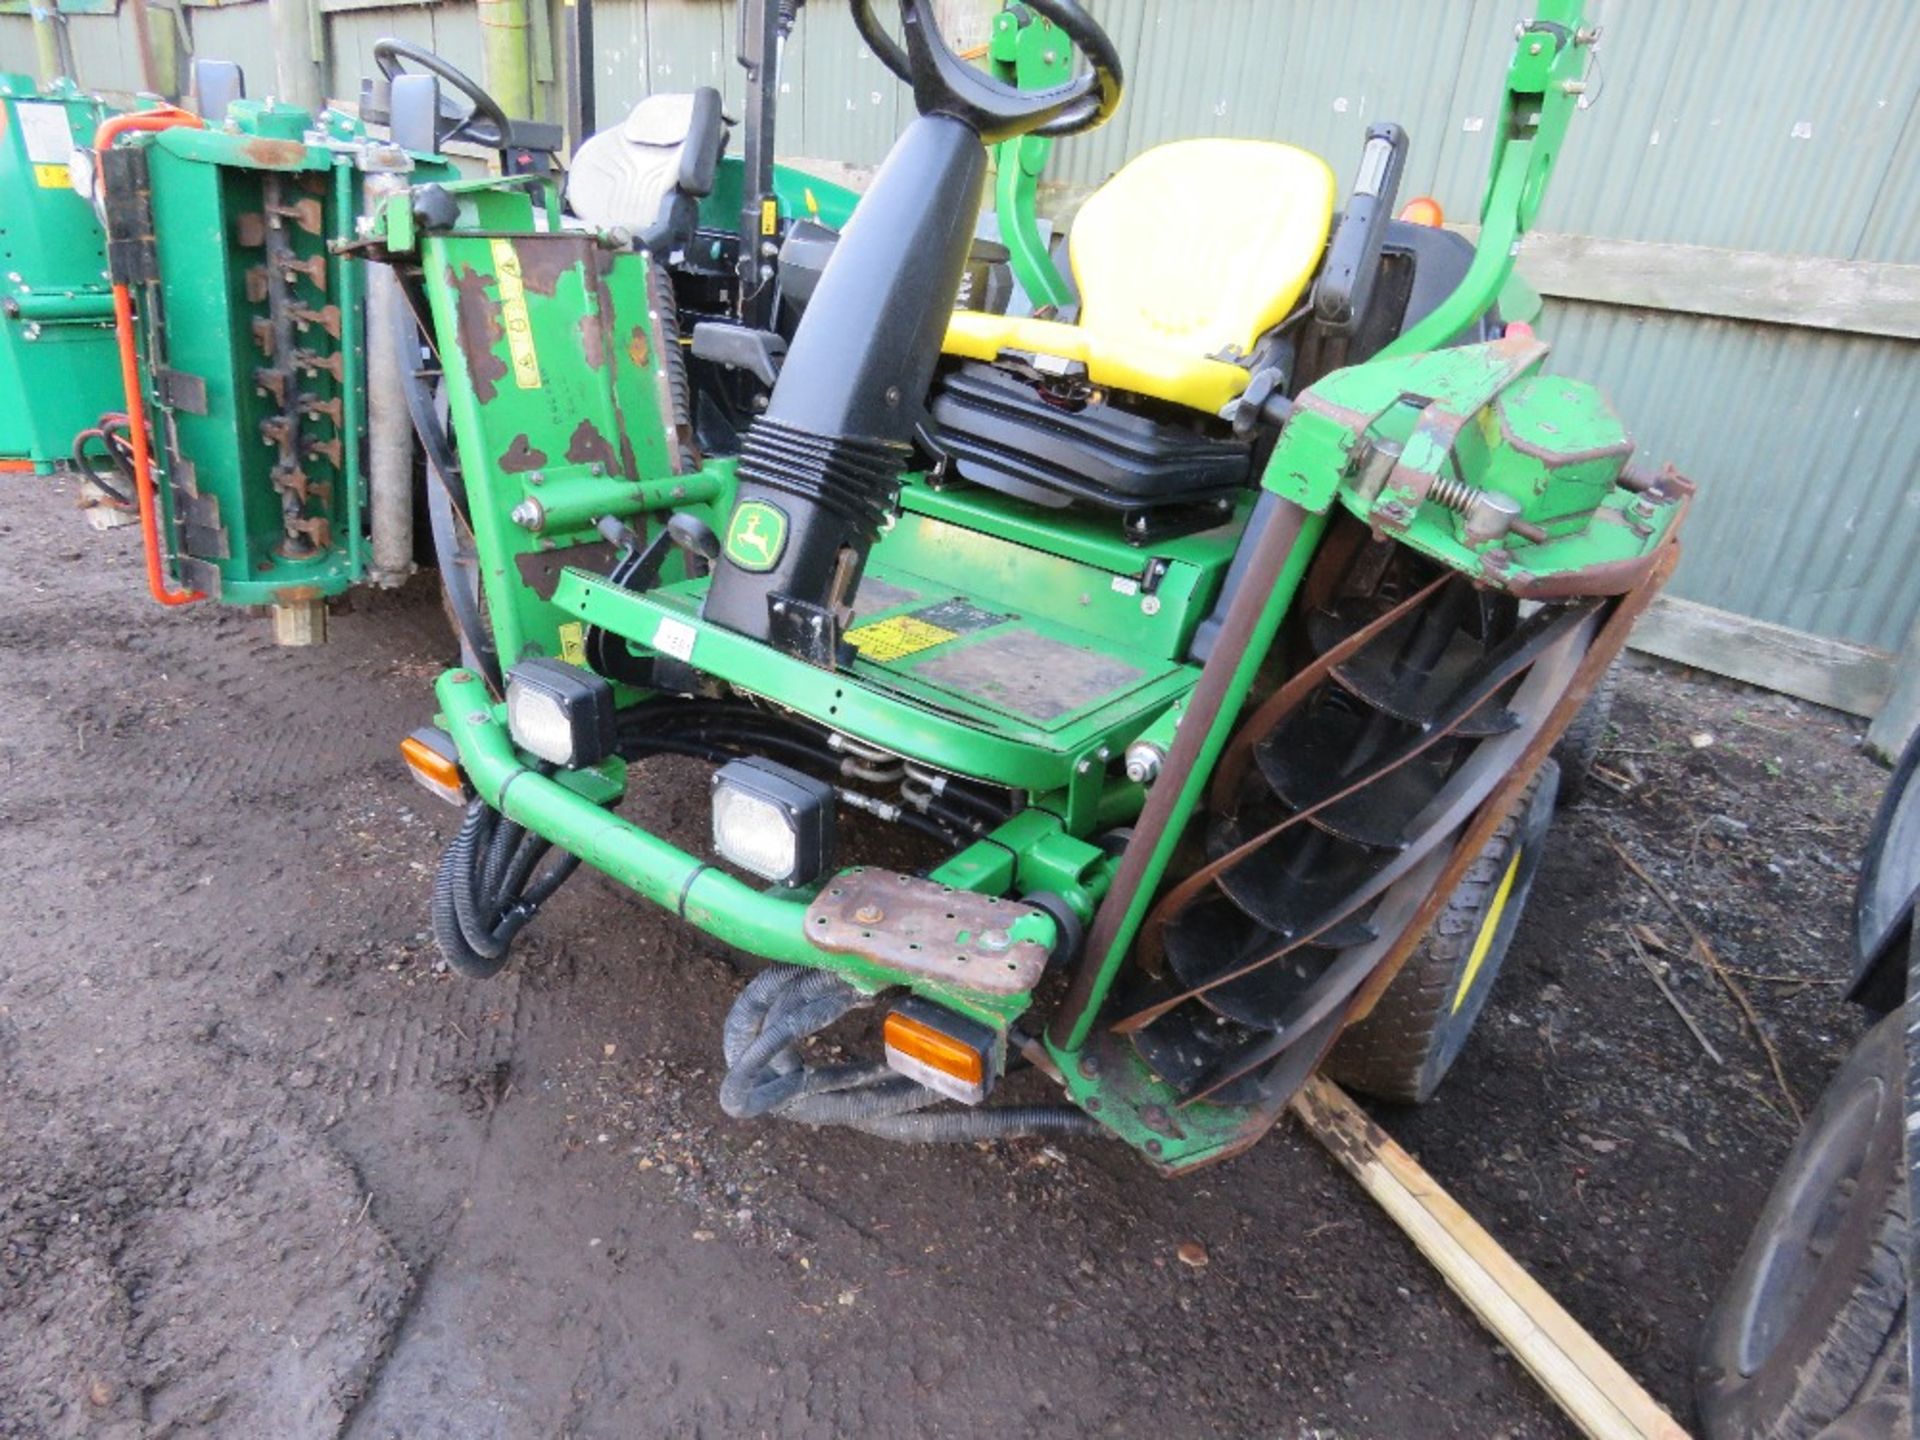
x,y
433,761
943,1051
1423,210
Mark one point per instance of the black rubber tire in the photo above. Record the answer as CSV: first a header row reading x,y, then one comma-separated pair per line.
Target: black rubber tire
x,y
1404,1049
1888,895
1579,746
1808,1341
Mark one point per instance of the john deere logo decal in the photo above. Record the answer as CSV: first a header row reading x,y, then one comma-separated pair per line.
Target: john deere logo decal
x,y
756,535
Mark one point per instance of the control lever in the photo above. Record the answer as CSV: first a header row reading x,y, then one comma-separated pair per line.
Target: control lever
x,y
639,566
740,347
1261,403
638,570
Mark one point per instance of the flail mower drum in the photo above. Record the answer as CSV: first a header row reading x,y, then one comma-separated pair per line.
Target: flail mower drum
x,y
1215,611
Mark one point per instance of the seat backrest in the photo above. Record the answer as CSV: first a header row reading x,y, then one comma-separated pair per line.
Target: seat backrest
x,y
624,175
1201,245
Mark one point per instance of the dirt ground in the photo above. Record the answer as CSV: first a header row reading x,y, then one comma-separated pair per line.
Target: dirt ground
x,y
267,1169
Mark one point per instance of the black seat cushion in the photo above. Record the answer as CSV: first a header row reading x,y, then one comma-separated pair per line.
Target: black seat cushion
x,y
999,430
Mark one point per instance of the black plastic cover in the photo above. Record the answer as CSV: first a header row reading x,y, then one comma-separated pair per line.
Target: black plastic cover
x,y
1347,276
999,431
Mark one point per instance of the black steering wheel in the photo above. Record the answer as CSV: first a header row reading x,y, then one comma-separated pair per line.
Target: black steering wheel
x,y
944,84
483,121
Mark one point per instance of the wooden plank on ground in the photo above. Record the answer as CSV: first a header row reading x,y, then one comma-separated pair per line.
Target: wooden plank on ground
x,y
1574,1368
1853,678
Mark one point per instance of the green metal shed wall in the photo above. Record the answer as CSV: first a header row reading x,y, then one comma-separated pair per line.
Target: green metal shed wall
x,y
1758,125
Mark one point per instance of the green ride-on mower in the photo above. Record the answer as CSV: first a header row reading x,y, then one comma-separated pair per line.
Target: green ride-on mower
x,y
1218,619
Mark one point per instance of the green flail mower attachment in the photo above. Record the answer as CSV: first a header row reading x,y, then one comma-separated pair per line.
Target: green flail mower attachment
x,y
1205,715
268,465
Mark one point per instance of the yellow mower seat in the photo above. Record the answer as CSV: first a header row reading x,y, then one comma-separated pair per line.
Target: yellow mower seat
x,y
1191,251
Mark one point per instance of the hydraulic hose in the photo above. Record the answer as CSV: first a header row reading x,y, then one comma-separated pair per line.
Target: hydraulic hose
x,y
482,897
162,118
111,432
766,1075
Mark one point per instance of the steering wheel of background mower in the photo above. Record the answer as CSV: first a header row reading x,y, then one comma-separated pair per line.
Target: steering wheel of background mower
x,y
483,121
944,84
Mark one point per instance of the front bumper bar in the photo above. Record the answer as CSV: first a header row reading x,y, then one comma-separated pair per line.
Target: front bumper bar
x,y
768,924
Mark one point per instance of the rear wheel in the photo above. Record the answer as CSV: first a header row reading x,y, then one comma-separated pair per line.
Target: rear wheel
x,y
1809,1337
1579,745
1404,1048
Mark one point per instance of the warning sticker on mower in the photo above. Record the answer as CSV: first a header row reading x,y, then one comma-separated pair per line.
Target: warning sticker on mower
x,y
44,132
896,638
513,316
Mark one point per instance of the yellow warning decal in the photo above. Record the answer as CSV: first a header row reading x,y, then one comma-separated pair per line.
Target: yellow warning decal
x,y
573,643
51,177
769,216
513,315
1489,927
896,638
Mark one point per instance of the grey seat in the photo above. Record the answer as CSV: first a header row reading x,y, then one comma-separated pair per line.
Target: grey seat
x,y
647,174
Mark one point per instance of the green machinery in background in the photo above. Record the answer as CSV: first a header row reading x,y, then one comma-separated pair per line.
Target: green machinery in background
x,y
58,370
1223,628
275,474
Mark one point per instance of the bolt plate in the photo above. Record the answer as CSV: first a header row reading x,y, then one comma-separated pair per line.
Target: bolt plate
x,y
925,929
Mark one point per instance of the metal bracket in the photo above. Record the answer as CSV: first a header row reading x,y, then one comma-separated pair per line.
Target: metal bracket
x,y
178,390
540,569
811,632
927,929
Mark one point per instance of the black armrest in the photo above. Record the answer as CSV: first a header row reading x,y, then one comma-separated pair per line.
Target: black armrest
x,y
1352,265
673,229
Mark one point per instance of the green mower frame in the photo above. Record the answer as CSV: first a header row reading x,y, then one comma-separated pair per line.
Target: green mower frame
x,y
1159,885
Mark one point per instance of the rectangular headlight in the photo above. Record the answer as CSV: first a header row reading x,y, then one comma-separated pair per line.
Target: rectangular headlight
x,y
559,712
772,820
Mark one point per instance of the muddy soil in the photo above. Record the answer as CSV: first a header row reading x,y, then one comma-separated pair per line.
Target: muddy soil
x,y
267,1169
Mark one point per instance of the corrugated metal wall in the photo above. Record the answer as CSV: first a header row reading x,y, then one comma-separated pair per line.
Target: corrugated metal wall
x,y
1763,125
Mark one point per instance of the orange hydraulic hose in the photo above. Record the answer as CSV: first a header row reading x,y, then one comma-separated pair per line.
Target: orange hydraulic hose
x,y
159,119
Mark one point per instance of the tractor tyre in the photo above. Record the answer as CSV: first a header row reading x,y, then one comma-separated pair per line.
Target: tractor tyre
x,y
1404,1048
1809,1337
463,598
1579,745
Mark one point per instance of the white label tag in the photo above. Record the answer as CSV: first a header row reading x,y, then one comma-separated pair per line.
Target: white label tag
x,y
674,637
1125,585
43,128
